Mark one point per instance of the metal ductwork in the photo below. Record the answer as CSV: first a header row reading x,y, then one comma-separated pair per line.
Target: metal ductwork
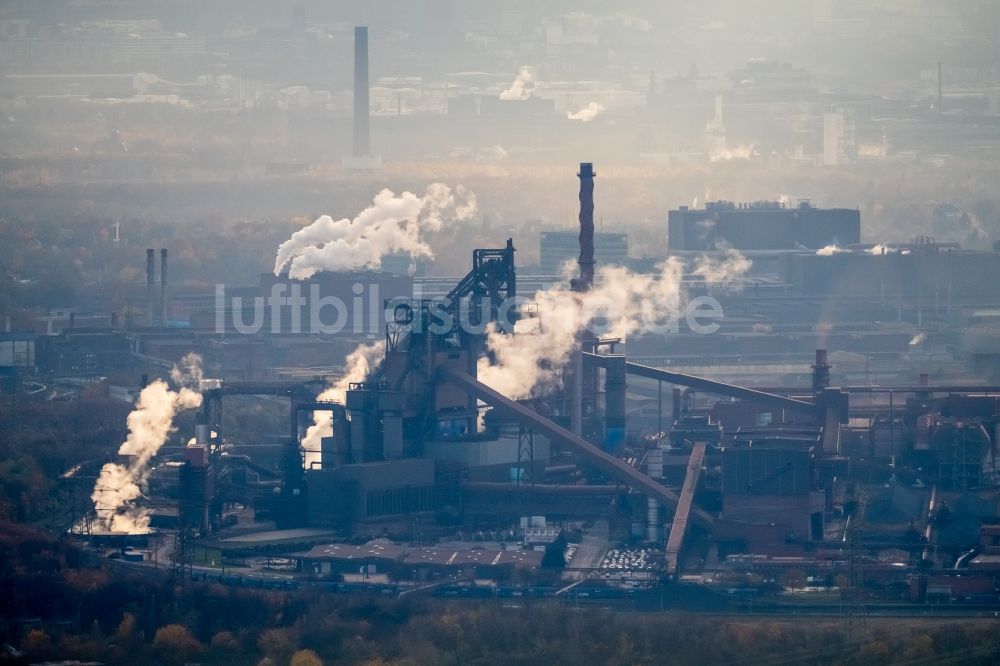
x,y
711,386
609,464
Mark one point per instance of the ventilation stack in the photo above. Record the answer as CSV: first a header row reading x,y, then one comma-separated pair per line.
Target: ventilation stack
x,y
361,158
163,287
362,134
940,84
150,277
821,373
586,260
584,380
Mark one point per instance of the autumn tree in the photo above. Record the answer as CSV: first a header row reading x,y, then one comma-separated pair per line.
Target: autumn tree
x,y
174,644
276,644
306,658
793,579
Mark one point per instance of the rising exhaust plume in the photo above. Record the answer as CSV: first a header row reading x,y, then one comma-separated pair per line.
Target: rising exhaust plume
x,y
722,270
359,364
726,154
621,304
587,113
521,88
119,485
829,250
393,223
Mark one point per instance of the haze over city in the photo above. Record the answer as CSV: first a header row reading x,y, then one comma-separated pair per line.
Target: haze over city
x,y
534,332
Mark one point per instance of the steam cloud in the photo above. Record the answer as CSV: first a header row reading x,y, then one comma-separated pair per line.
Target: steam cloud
x,y
391,224
521,88
360,363
587,113
829,250
623,302
722,271
724,154
872,150
150,423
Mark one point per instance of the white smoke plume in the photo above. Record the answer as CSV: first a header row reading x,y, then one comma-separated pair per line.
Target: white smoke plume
x,y
579,20
722,270
917,339
726,154
359,364
879,249
629,21
621,304
830,250
587,113
188,372
149,425
497,152
872,150
521,88
391,224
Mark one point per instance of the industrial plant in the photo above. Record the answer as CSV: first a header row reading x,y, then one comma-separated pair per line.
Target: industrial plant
x,y
477,428
499,333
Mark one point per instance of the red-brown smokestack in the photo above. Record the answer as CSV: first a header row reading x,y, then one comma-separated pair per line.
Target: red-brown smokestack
x,y
586,177
583,381
821,372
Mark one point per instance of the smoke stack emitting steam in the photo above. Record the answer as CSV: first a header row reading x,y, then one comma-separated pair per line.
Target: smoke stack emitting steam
x,y
119,485
521,87
529,361
391,224
625,303
587,113
359,364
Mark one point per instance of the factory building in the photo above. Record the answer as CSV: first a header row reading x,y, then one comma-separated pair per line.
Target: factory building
x,y
381,556
932,275
367,498
84,352
769,477
761,225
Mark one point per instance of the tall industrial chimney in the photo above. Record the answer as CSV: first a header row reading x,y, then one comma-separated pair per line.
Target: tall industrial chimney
x,y
940,97
586,261
150,277
583,382
821,372
163,287
362,137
